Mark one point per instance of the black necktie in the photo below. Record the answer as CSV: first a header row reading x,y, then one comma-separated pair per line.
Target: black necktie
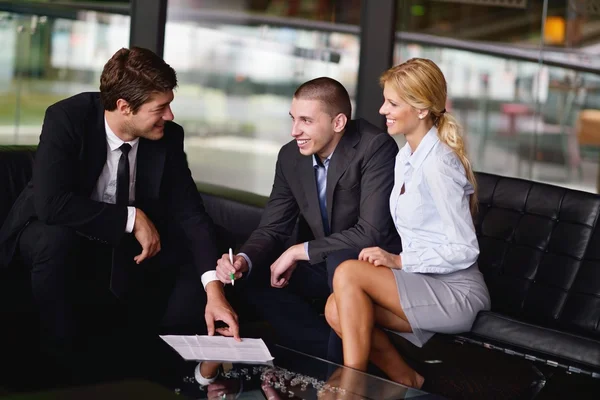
x,y
123,176
118,278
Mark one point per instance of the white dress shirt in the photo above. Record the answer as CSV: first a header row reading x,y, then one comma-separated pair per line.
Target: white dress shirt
x,y
433,216
106,187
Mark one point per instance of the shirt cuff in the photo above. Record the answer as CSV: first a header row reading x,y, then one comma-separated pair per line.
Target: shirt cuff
x,y
130,219
410,261
208,277
306,250
247,261
202,380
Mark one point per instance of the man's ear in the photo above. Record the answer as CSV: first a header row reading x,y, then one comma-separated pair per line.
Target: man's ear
x,y
339,122
123,107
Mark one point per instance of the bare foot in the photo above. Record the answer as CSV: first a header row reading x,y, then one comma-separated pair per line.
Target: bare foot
x,y
419,380
416,381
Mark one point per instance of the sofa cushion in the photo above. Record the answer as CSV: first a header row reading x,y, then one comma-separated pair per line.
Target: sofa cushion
x,y
552,343
235,214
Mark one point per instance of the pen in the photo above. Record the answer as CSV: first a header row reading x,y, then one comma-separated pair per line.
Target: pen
x,y
231,275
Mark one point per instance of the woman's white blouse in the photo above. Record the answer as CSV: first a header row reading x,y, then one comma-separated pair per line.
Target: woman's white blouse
x,y
433,216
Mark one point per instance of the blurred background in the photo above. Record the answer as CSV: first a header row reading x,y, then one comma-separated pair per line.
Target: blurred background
x,y
523,75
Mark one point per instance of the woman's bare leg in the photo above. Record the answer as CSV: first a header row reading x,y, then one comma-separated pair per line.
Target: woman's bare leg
x,y
358,313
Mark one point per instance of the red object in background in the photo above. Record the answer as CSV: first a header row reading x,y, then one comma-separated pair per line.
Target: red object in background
x,y
512,111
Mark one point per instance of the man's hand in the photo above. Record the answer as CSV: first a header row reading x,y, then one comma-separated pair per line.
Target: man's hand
x,y
284,266
380,258
219,309
223,389
224,268
146,234
269,380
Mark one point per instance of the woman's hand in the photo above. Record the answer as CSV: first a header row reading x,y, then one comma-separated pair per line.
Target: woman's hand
x,y
380,258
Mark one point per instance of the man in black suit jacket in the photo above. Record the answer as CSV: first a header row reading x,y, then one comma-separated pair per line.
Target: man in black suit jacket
x,y
336,175
110,200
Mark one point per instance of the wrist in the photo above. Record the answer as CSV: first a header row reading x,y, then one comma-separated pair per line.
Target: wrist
x,y
299,252
201,378
245,267
398,261
138,214
210,369
215,291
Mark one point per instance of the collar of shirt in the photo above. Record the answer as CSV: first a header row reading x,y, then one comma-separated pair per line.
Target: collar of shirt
x,y
416,159
318,163
113,140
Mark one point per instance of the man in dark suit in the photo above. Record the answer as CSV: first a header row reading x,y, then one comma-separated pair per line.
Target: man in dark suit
x,y
110,201
336,175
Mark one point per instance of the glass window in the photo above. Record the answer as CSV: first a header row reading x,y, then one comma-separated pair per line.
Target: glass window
x,y
239,64
336,11
525,89
44,60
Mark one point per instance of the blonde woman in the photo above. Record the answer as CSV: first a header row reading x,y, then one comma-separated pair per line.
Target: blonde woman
x,y
434,284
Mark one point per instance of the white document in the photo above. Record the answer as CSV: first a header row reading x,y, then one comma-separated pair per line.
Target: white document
x,y
219,348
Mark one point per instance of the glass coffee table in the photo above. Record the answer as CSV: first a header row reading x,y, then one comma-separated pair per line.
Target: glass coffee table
x,y
295,375
150,369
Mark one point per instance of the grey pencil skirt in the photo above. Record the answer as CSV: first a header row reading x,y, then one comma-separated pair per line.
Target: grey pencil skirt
x,y
441,303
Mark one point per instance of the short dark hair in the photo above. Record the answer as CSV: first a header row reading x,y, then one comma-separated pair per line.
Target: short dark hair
x,y
332,93
133,75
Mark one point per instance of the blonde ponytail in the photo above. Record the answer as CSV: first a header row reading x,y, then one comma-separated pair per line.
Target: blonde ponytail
x,y
450,133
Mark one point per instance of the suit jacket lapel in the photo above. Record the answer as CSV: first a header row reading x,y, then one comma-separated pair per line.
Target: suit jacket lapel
x,y
149,169
306,171
95,154
340,160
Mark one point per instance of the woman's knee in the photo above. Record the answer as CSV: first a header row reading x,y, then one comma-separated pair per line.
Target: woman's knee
x,y
331,313
335,259
347,275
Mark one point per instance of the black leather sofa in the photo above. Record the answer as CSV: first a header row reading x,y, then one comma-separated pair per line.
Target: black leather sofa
x,y
540,254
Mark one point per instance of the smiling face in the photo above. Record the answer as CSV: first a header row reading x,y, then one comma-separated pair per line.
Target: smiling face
x,y
400,117
149,120
315,131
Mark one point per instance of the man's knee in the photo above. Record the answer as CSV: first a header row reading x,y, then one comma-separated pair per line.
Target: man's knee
x,y
185,303
44,243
